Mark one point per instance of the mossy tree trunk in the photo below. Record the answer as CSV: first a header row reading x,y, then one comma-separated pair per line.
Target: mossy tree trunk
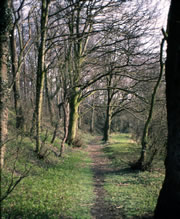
x,y
168,205
41,71
5,28
79,23
73,117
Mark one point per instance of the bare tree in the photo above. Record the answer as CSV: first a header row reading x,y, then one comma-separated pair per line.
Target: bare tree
x,y
144,163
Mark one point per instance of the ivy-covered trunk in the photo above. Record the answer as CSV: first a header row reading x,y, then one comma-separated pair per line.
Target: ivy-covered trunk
x,y
168,205
5,26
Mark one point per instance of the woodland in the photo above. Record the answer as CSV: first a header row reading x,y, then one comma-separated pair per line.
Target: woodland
x,y
89,109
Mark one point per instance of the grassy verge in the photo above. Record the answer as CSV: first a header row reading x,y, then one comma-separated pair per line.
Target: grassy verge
x,y
134,192
55,188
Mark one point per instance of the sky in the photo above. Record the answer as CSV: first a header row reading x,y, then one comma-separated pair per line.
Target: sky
x,y
164,8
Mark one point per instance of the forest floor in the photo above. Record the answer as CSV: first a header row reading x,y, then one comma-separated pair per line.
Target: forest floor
x,y
102,208
91,182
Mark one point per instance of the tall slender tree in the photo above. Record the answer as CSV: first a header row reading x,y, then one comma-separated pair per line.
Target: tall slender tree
x,y
144,163
41,70
110,94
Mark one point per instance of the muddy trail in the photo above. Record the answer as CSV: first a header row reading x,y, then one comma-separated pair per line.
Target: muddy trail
x,y
102,209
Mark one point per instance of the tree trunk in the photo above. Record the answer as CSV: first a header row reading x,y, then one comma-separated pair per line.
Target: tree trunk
x,y
168,205
16,85
92,119
5,25
41,71
107,125
55,132
79,118
49,105
73,118
66,123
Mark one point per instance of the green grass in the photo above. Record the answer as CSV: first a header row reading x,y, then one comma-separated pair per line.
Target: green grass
x,y
63,187
134,192
55,188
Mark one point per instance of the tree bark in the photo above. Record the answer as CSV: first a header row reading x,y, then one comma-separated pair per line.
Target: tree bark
x,y
107,125
73,118
66,123
41,71
92,119
168,205
5,26
16,85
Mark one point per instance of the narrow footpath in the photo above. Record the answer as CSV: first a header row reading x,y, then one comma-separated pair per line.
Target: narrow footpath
x,y
101,209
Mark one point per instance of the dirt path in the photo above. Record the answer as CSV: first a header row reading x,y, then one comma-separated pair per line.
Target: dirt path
x,y
100,166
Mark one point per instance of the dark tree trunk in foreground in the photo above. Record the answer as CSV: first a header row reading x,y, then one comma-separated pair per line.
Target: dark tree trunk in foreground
x,y
168,205
5,25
